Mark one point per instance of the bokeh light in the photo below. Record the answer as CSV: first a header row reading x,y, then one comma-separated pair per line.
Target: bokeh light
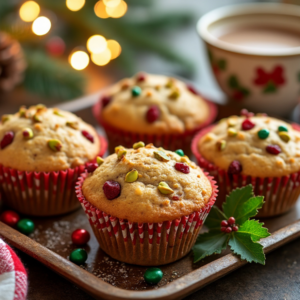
x,y
100,10
101,59
118,11
112,3
41,26
114,48
75,5
79,60
29,11
96,44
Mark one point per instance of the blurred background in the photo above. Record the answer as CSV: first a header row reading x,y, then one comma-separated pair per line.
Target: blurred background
x,y
54,50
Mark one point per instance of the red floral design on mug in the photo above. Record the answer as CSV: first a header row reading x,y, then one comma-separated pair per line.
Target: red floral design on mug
x,y
270,81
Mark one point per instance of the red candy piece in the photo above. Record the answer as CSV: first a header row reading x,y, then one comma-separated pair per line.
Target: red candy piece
x,y
141,77
111,189
182,167
10,218
105,100
235,167
80,237
247,124
152,114
7,139
231,220
88,136
273,149
91,167
192,89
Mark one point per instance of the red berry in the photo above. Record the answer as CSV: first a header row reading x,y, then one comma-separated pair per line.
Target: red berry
x,y
80,237
224,223
141,77
273,149
7,139
111,189
182,167
192,89
235,167
231,220
228,230
105,100
91,167
10,218
247,124
235,228
223,229
88,136
152,114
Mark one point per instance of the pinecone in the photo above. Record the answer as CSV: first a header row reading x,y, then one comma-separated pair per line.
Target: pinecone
x,y
12,62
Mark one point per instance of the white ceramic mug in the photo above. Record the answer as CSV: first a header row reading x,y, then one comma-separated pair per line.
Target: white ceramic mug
x,y
257,79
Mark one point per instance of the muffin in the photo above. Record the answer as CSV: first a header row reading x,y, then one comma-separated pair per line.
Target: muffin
x,y
154,108
257,150
42,153
146,205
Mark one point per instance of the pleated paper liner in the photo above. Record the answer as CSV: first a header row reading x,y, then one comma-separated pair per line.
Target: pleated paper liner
x,y
146,244
280,193
171,142
42,193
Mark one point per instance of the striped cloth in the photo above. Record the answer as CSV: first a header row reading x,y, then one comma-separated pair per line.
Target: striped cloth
x,y
13,277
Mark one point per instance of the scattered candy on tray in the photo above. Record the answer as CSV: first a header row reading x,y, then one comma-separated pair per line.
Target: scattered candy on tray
x,y
78,256
25,226
10,218
80,237
153,275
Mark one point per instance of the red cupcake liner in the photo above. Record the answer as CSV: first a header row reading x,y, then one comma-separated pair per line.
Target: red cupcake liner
x,y
42,193
171,142
147,244
280,193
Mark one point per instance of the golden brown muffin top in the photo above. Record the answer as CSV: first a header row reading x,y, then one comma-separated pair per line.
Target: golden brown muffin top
x,y
46,139
147,184
264,146
153,104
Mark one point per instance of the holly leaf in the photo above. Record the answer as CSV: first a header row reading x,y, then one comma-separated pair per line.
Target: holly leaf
x,y
233,82
242,245
222,64
214,219
255,229
209,243
235,199
270,88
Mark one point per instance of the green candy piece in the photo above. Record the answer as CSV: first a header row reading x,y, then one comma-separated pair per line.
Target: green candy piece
x,y
282,128
153,275
25,226
132,176
263,133
161,156
164,188
78,256
136,91
284,136
179,152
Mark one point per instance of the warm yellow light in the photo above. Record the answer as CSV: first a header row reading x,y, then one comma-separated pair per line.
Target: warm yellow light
x,y
111,3
96,44
41,26
100,10
118,11
114,48
79,60
75,5
29,11
102,58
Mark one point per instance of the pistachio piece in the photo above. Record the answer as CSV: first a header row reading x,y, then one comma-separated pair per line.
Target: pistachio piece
x,y
284,136
132,176
164,188
40,107
55,145
5,118
23,112
138,145
36,118
118,148
231,122
185,159
161,156
73,125
27,133
121,152
231,132
175,93
169,83
56,112
221,145
100,161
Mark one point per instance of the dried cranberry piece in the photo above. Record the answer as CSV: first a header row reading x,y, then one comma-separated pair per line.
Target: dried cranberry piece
x,y
88,136
91,167
141,77
175,198
7,139
105,100
111,189
244,112
235,167
182,167
152,114
273,149
192,89
247,124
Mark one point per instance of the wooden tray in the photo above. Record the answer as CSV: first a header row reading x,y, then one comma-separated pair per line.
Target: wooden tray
x,y
103,277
